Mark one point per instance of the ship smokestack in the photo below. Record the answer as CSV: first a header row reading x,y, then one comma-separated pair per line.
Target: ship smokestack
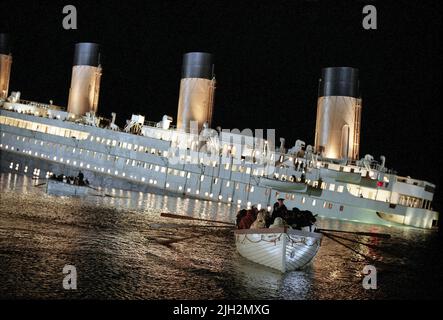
x,y
337,131
5,65
85,81
197,86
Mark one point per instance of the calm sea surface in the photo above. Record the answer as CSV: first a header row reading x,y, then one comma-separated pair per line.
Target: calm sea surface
x,y
117,246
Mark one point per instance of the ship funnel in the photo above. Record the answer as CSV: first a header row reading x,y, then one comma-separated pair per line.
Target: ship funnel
x,y
337,131
197,86
85,80
5,65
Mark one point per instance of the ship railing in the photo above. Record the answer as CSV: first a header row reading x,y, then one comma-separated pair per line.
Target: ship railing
x,y
39,104
153,124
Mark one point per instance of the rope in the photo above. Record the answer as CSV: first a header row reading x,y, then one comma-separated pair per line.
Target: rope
x,y
262,239
302,240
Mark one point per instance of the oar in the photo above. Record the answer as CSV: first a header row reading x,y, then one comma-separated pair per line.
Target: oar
x,y
368,234
348,247
171,241
177,216
372,246
40,184
182,226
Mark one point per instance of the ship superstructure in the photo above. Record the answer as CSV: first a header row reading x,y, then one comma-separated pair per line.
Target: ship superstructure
x,y
226,166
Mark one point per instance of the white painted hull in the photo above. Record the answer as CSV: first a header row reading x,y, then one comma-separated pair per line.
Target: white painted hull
x,y
62,188
279,248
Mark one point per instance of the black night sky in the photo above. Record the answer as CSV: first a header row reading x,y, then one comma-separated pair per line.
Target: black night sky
x,y
268,57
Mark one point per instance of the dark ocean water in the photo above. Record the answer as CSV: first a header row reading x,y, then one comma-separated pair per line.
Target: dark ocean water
x,y
115,243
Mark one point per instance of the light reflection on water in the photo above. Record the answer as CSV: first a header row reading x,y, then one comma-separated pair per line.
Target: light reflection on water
x,y
113,242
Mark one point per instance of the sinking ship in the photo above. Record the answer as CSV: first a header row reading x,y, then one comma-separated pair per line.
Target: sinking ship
x,y
191,159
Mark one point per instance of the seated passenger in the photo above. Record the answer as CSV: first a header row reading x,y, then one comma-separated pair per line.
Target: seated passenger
x,y
260,222
278,223
240,216
254,211
247,220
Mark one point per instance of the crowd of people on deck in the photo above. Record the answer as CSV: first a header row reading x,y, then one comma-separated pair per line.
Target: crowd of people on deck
x,y
254,218
79,180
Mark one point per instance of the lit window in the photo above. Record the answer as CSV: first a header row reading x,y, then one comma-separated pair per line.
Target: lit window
x,y
331,187
340,188
252,189
303,200
313,202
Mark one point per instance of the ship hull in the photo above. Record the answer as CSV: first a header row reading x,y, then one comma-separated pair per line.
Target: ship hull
x,y
421,219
